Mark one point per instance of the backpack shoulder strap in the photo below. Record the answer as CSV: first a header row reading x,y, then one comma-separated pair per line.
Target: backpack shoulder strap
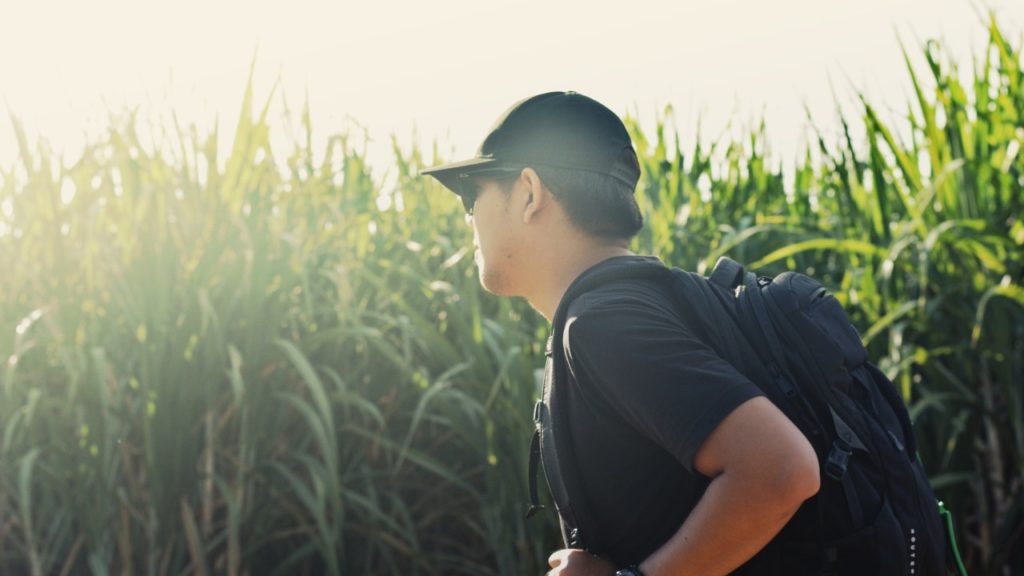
x,y
727,273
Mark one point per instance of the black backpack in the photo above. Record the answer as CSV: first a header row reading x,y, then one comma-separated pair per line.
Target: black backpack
x,y
875,512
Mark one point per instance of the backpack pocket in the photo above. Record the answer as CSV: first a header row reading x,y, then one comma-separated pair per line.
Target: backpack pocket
x,y
817,315
876,549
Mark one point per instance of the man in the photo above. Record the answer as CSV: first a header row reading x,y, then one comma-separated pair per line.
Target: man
x,y
687,467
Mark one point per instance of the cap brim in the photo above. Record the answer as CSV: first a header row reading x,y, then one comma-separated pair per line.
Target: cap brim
x,y
448,174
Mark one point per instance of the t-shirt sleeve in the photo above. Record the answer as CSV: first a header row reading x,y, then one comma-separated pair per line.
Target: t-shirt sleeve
x,y
651,369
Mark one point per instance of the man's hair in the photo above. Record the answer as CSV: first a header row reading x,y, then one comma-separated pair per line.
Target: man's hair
x,y
601,205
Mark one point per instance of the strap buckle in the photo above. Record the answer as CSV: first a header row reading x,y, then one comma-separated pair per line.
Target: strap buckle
x,y
838,460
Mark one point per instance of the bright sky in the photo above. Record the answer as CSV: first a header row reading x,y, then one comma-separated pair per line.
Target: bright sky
x,y
447,68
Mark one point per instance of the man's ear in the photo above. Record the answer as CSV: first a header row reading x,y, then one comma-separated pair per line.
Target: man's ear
x,y
538,196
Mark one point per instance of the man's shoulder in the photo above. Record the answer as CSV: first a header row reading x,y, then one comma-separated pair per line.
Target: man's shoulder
x,y
618,317
622,295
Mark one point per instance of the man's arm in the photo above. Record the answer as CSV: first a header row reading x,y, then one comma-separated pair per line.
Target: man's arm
x,y
762,469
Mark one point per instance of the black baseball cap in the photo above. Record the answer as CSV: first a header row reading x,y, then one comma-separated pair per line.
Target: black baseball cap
x,y
557,129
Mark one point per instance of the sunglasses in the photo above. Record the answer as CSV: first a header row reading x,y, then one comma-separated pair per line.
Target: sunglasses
x,y
469,188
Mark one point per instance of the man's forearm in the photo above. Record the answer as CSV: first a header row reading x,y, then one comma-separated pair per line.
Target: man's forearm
x,y
731,523
762,469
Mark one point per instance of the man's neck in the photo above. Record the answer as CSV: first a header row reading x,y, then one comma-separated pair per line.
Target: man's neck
x,y
564,270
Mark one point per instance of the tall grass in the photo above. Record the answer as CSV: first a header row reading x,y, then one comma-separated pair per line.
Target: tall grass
x,y
264,364
252,370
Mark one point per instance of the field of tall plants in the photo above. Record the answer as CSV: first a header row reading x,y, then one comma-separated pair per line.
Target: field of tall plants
x,y
269,364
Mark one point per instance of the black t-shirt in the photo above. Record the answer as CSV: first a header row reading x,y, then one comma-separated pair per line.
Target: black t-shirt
x,y
644,394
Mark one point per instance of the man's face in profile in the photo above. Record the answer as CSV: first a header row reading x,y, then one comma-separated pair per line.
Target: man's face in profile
x,y
494,233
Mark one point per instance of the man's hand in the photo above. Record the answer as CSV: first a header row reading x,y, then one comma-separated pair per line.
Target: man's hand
x,y
575,562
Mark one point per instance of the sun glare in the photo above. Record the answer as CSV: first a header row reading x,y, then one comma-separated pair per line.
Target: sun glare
x,y
441,72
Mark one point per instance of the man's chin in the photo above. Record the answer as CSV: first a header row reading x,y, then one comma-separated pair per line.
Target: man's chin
x,y
493,283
